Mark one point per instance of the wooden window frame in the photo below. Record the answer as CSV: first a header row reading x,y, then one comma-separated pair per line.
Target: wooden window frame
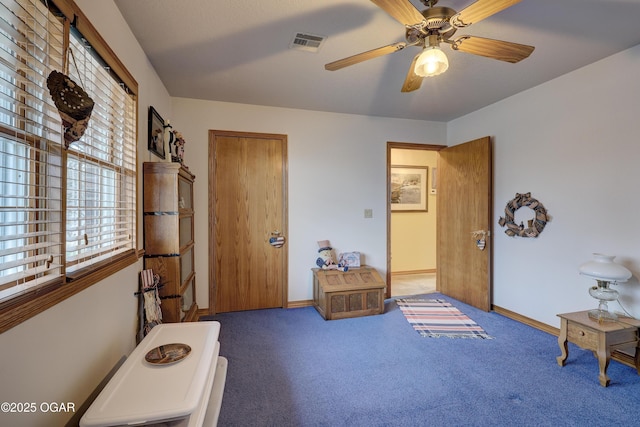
x,y
17,309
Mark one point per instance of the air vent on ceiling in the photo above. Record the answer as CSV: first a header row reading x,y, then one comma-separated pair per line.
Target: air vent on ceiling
x,y
307,42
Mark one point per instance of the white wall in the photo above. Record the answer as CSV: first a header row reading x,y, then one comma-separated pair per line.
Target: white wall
x,y
337,169
572,143
62,354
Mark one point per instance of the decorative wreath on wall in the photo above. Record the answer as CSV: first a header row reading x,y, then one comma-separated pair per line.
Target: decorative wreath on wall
x,y
534,226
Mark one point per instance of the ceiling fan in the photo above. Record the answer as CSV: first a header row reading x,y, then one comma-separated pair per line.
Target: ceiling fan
x,y
436,25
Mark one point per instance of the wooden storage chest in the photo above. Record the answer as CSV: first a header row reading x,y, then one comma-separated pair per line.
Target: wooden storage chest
x,y
354,293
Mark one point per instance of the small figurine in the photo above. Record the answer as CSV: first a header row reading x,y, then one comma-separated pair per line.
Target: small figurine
x,y
325,257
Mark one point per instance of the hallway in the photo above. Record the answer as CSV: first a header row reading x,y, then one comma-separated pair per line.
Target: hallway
x,y
412,284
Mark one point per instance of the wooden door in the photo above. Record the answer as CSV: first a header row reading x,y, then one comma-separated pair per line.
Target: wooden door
x,y
247,208
464,206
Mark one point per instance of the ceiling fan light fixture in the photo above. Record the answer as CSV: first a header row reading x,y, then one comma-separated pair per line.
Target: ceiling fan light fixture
x,y
431,62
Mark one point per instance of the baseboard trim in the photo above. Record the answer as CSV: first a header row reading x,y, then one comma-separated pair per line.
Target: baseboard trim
x,y
398,273
291,304
299,304
526,320
202,312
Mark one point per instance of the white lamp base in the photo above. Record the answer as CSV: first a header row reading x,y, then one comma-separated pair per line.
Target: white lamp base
x,y
603,293
602,315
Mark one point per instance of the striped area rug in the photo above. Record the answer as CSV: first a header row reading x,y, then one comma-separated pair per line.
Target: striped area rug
x,y
435,318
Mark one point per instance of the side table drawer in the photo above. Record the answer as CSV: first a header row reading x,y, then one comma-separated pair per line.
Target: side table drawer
x,y
583,337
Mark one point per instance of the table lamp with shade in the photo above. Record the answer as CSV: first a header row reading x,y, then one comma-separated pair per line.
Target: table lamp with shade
x,y
605,272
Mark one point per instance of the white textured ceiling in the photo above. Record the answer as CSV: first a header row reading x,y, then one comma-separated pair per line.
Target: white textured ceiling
x,y
238,51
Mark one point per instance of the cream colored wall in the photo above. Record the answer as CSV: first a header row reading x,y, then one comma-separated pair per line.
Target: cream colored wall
x,y
62,354
413,234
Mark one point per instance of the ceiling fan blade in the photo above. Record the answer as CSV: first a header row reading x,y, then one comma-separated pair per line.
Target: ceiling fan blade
x,y
402,10
351,60
496,49
480,10
412,81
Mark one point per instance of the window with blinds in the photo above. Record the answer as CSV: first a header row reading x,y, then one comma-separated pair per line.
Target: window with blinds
x,y
31,211
63,212
101,166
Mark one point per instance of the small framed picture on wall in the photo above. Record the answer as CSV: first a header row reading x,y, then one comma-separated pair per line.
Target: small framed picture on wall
x,y
156,133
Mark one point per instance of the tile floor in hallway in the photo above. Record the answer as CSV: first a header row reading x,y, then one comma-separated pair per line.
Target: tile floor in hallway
x,y
412,284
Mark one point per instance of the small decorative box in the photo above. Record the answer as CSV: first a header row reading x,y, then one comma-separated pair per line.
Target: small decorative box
x,y
350,259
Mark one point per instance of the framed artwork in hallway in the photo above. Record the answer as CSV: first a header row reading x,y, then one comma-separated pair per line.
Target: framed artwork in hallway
x,y
409,188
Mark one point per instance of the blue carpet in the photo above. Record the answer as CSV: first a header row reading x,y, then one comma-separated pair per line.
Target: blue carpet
x,y
293,368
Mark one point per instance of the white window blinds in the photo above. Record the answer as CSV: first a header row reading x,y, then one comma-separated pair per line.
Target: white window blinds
x,y
101,166
62,212
31,187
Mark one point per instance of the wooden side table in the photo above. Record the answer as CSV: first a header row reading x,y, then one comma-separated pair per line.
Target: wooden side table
x,y
602,338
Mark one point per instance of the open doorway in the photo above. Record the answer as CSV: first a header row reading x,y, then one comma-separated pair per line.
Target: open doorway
x,y
411,218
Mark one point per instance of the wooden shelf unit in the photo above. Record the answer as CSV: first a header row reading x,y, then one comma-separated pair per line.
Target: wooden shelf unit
x,y
169,237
